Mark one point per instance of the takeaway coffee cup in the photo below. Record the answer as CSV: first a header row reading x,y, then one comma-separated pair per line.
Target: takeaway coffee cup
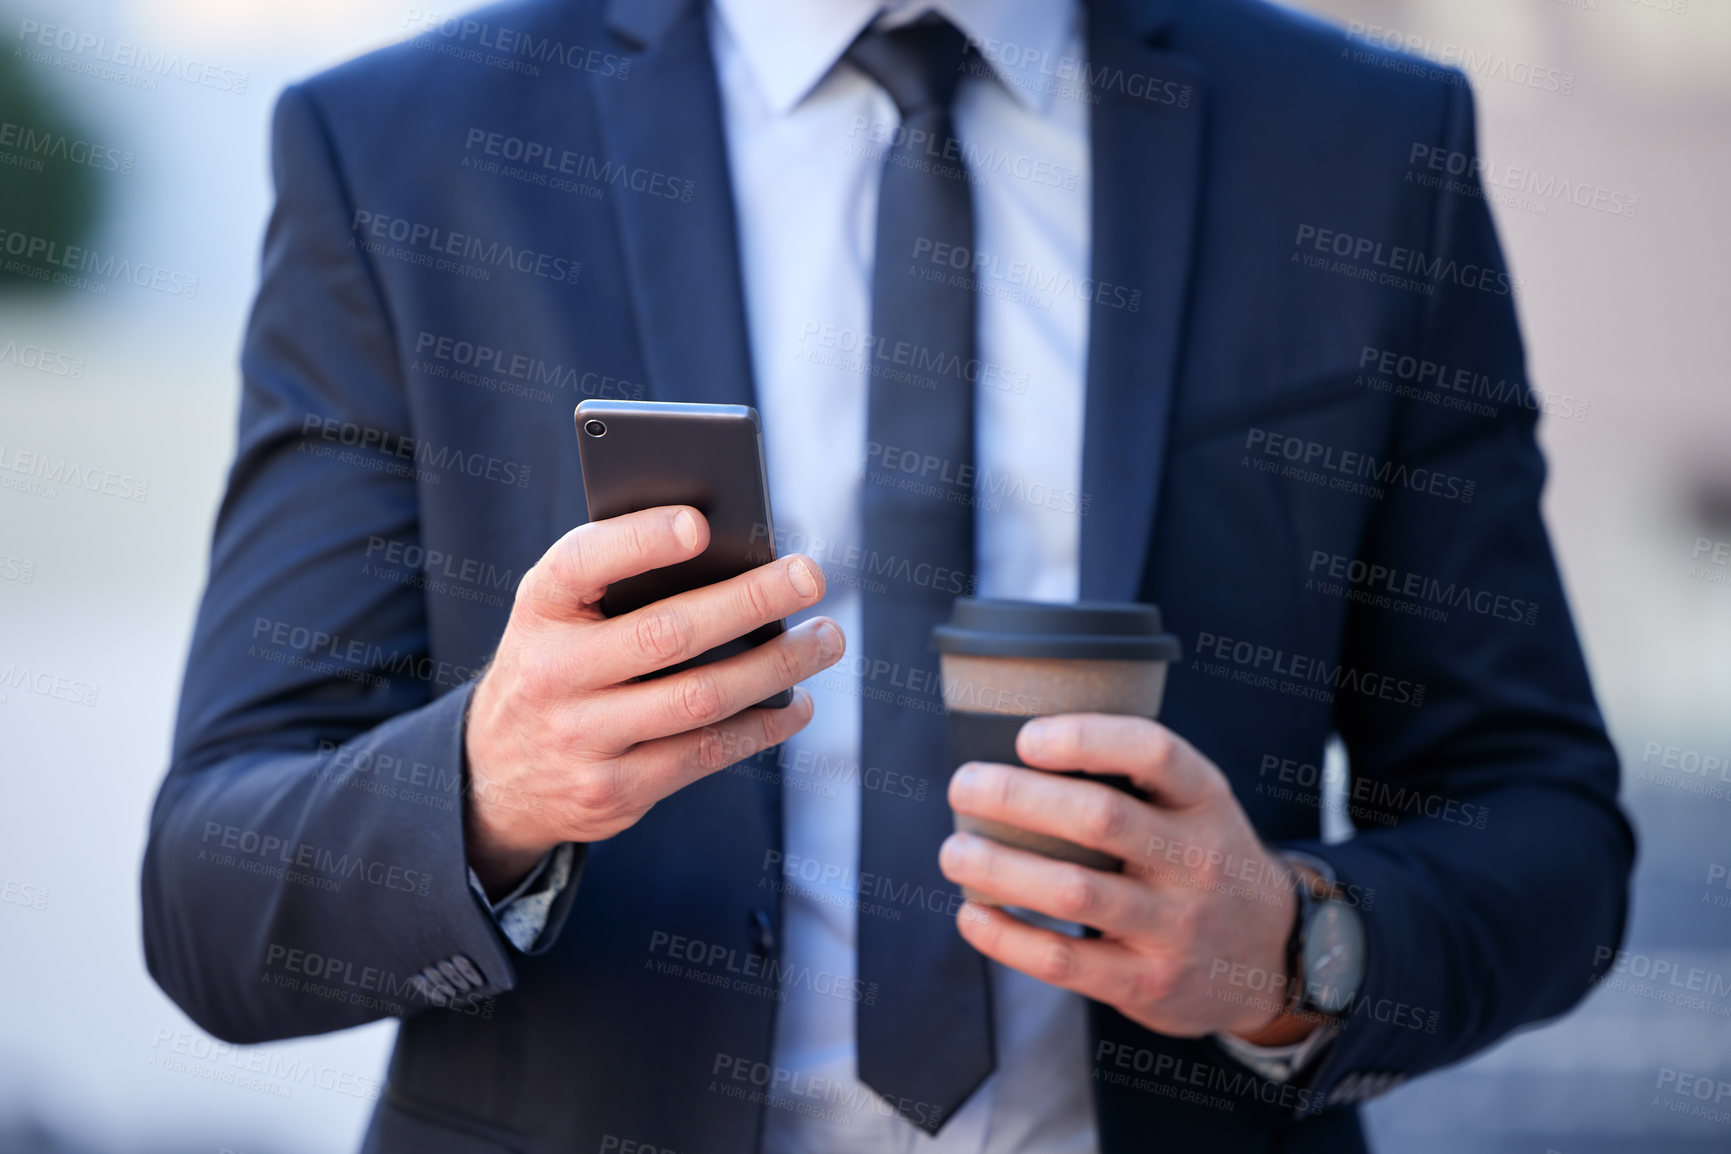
x,y
1003,662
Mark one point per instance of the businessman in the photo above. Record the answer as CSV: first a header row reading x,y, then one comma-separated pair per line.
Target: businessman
x,y
1183,302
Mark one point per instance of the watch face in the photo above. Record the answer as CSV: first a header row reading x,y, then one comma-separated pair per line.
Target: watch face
x,y
1333,956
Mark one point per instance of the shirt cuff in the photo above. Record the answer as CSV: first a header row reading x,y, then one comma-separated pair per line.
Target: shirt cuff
x,y
522,914
1279,1063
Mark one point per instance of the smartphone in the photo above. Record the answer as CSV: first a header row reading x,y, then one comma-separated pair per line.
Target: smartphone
x,y
641,454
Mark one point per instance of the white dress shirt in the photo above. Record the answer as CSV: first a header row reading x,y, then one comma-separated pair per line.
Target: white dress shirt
x,y
806,138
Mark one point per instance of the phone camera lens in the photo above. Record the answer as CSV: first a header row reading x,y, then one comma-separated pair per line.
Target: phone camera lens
x,y
595,428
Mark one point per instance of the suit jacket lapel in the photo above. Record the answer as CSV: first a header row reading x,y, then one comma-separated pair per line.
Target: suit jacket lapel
x,y
681,257
1146,141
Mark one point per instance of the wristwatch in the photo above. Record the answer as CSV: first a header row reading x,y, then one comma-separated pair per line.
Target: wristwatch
x,y
1325,951
1325,958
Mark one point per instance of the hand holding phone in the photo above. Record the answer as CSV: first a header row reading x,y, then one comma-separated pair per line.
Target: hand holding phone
x,y
642,454
565,743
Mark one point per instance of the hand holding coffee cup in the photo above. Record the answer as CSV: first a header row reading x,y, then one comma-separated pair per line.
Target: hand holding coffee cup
x,y
1045,713
1004,662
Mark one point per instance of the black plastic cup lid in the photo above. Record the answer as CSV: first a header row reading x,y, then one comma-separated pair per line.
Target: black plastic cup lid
x,y
1115,630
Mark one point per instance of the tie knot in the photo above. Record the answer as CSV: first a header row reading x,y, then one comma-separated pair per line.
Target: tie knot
x,y
918,64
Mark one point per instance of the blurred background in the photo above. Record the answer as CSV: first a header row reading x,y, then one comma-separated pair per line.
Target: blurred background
x,y
132,379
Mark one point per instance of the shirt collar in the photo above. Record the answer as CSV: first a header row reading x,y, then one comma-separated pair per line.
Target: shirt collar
x,y
791,45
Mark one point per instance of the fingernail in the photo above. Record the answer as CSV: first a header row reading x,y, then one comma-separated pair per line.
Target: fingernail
x,y
685,528
950,853
800,576
829,640
1035,734
965,777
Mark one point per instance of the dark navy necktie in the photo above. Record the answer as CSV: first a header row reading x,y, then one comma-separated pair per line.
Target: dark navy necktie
x,y
925,1042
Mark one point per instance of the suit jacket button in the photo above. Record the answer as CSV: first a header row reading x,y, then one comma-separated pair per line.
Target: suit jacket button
x,y
454,976
437,980
468,970
762,932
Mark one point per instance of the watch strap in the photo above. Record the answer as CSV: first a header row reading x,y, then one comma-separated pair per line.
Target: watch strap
x,y
1306,905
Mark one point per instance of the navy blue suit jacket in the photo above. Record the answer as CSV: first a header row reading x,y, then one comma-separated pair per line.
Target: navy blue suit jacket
x,y
423,328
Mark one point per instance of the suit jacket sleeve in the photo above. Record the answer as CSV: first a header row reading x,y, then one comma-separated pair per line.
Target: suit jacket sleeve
x,y
1491,863
290,884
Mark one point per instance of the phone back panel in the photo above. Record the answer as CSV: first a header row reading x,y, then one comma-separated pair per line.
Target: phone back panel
x,y
707,456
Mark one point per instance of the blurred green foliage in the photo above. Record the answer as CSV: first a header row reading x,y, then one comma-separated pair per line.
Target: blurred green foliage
x,y
43,192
